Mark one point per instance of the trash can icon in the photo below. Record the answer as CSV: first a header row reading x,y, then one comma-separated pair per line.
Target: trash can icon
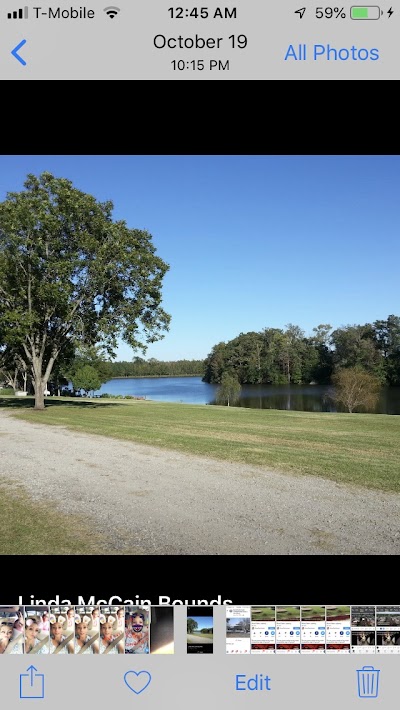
x,y
368,682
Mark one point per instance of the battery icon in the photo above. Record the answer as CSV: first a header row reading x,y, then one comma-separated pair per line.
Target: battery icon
x,y
368,12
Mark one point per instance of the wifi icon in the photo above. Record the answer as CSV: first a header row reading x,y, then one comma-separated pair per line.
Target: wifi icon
x,y
111,11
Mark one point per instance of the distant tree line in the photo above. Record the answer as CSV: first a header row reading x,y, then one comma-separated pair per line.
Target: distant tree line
x,y
281,356
138,367
87,369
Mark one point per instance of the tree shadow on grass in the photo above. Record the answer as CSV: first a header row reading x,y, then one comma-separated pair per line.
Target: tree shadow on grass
x,y
29,403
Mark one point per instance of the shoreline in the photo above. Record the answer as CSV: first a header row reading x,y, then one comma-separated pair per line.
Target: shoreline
x,y
148,377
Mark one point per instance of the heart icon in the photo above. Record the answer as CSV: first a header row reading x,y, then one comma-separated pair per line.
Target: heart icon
x,y
135,683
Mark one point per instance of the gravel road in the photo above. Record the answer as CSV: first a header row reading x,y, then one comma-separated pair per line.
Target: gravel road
x,y
153,501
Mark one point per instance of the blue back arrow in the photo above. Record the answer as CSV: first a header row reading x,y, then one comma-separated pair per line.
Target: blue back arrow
x,y
15,50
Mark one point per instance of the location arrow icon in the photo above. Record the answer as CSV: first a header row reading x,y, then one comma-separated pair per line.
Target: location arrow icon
x,y
15,54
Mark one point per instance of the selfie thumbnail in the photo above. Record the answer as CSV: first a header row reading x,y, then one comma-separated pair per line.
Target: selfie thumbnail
x,y
62,628
111,629
11,629
37,629
137,629
87,630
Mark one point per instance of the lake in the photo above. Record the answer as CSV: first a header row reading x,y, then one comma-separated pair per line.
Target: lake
x,y
191,390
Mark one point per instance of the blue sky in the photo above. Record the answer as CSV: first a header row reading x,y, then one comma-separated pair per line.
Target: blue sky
x,y
204,622
252,241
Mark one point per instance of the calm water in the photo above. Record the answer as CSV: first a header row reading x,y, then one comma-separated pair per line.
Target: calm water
x,y
191,390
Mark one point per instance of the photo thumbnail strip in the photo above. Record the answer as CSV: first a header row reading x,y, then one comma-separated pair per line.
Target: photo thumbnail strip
x,y
238,620
313,629
200,629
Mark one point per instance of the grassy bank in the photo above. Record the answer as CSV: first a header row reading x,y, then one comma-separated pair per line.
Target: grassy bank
x,y
33,528
362,449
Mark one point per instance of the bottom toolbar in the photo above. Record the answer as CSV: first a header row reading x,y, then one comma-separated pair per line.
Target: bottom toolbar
x,y
143,629
153,682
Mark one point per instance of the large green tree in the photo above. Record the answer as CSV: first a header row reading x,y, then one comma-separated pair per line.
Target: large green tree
x,y
355,346
387,335
229,390
86,378
355,388
191,625
70,274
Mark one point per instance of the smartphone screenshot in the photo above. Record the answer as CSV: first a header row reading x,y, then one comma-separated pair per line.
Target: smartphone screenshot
x,y
338,629
288,629
263,629
363,629
313,629
238,629
200,629
388,629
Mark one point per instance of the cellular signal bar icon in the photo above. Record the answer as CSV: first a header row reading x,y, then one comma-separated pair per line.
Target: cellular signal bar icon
x,y
21,14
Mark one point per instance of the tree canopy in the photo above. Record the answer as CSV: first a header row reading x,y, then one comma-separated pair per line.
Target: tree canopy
x,y
86,378
71,275
191,625
229,390
355,389
279,356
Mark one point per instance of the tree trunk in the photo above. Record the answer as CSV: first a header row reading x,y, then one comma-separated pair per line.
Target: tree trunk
x,y
39,393
40,379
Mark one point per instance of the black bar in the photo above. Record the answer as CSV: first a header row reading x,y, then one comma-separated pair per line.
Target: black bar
x,y
9,16
20,15
15,16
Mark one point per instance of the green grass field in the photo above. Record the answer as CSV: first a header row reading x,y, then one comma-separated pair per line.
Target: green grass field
x,y
337,611
33,528
263,613
361,449
290,613
313,612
